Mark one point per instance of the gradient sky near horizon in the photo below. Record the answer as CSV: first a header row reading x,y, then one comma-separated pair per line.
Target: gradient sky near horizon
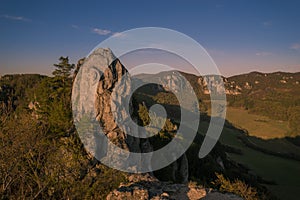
x,y
241,36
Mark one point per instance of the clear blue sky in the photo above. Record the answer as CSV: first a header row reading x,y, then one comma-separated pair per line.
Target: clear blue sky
x,y
241,36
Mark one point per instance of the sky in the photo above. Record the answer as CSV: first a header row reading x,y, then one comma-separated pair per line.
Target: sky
x,y
240,36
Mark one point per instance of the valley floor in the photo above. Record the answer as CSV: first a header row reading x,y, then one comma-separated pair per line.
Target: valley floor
x,y
256,125
283,171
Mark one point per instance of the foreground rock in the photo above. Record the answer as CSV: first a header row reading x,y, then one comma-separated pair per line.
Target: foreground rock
x,y
146,187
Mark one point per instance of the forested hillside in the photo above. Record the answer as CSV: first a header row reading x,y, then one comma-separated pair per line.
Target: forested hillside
x,y
276,95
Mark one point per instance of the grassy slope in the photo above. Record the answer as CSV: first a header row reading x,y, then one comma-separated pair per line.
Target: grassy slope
x,y
285,172
276,145
256,125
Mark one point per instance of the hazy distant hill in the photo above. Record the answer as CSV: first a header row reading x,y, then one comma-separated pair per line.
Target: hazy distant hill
x,y
276,95
260,80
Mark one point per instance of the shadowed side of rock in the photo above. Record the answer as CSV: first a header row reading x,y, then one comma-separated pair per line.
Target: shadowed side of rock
x,y
113,88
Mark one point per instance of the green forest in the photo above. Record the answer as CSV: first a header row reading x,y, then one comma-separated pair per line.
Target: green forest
x,y
275,95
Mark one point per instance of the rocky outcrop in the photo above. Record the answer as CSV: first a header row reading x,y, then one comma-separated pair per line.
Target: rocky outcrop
x,y
146,187
105,75
113,93
213,84
34,106
102,88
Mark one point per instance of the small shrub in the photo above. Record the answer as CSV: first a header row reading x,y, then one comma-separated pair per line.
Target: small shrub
x,y
237,187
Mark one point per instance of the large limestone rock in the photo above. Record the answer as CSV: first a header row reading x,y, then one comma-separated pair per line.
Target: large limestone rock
x,y
109,88
102,87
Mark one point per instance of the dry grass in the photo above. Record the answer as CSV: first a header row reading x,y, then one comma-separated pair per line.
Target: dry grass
x,y
256,125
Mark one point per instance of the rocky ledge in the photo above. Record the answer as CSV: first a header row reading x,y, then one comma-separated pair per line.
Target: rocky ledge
x,y
146,187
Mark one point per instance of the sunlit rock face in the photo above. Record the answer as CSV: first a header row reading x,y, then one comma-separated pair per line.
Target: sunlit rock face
x,y
101,89
108,90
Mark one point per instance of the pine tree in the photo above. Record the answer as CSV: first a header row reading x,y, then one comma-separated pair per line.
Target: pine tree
x,y
63,71
54,95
